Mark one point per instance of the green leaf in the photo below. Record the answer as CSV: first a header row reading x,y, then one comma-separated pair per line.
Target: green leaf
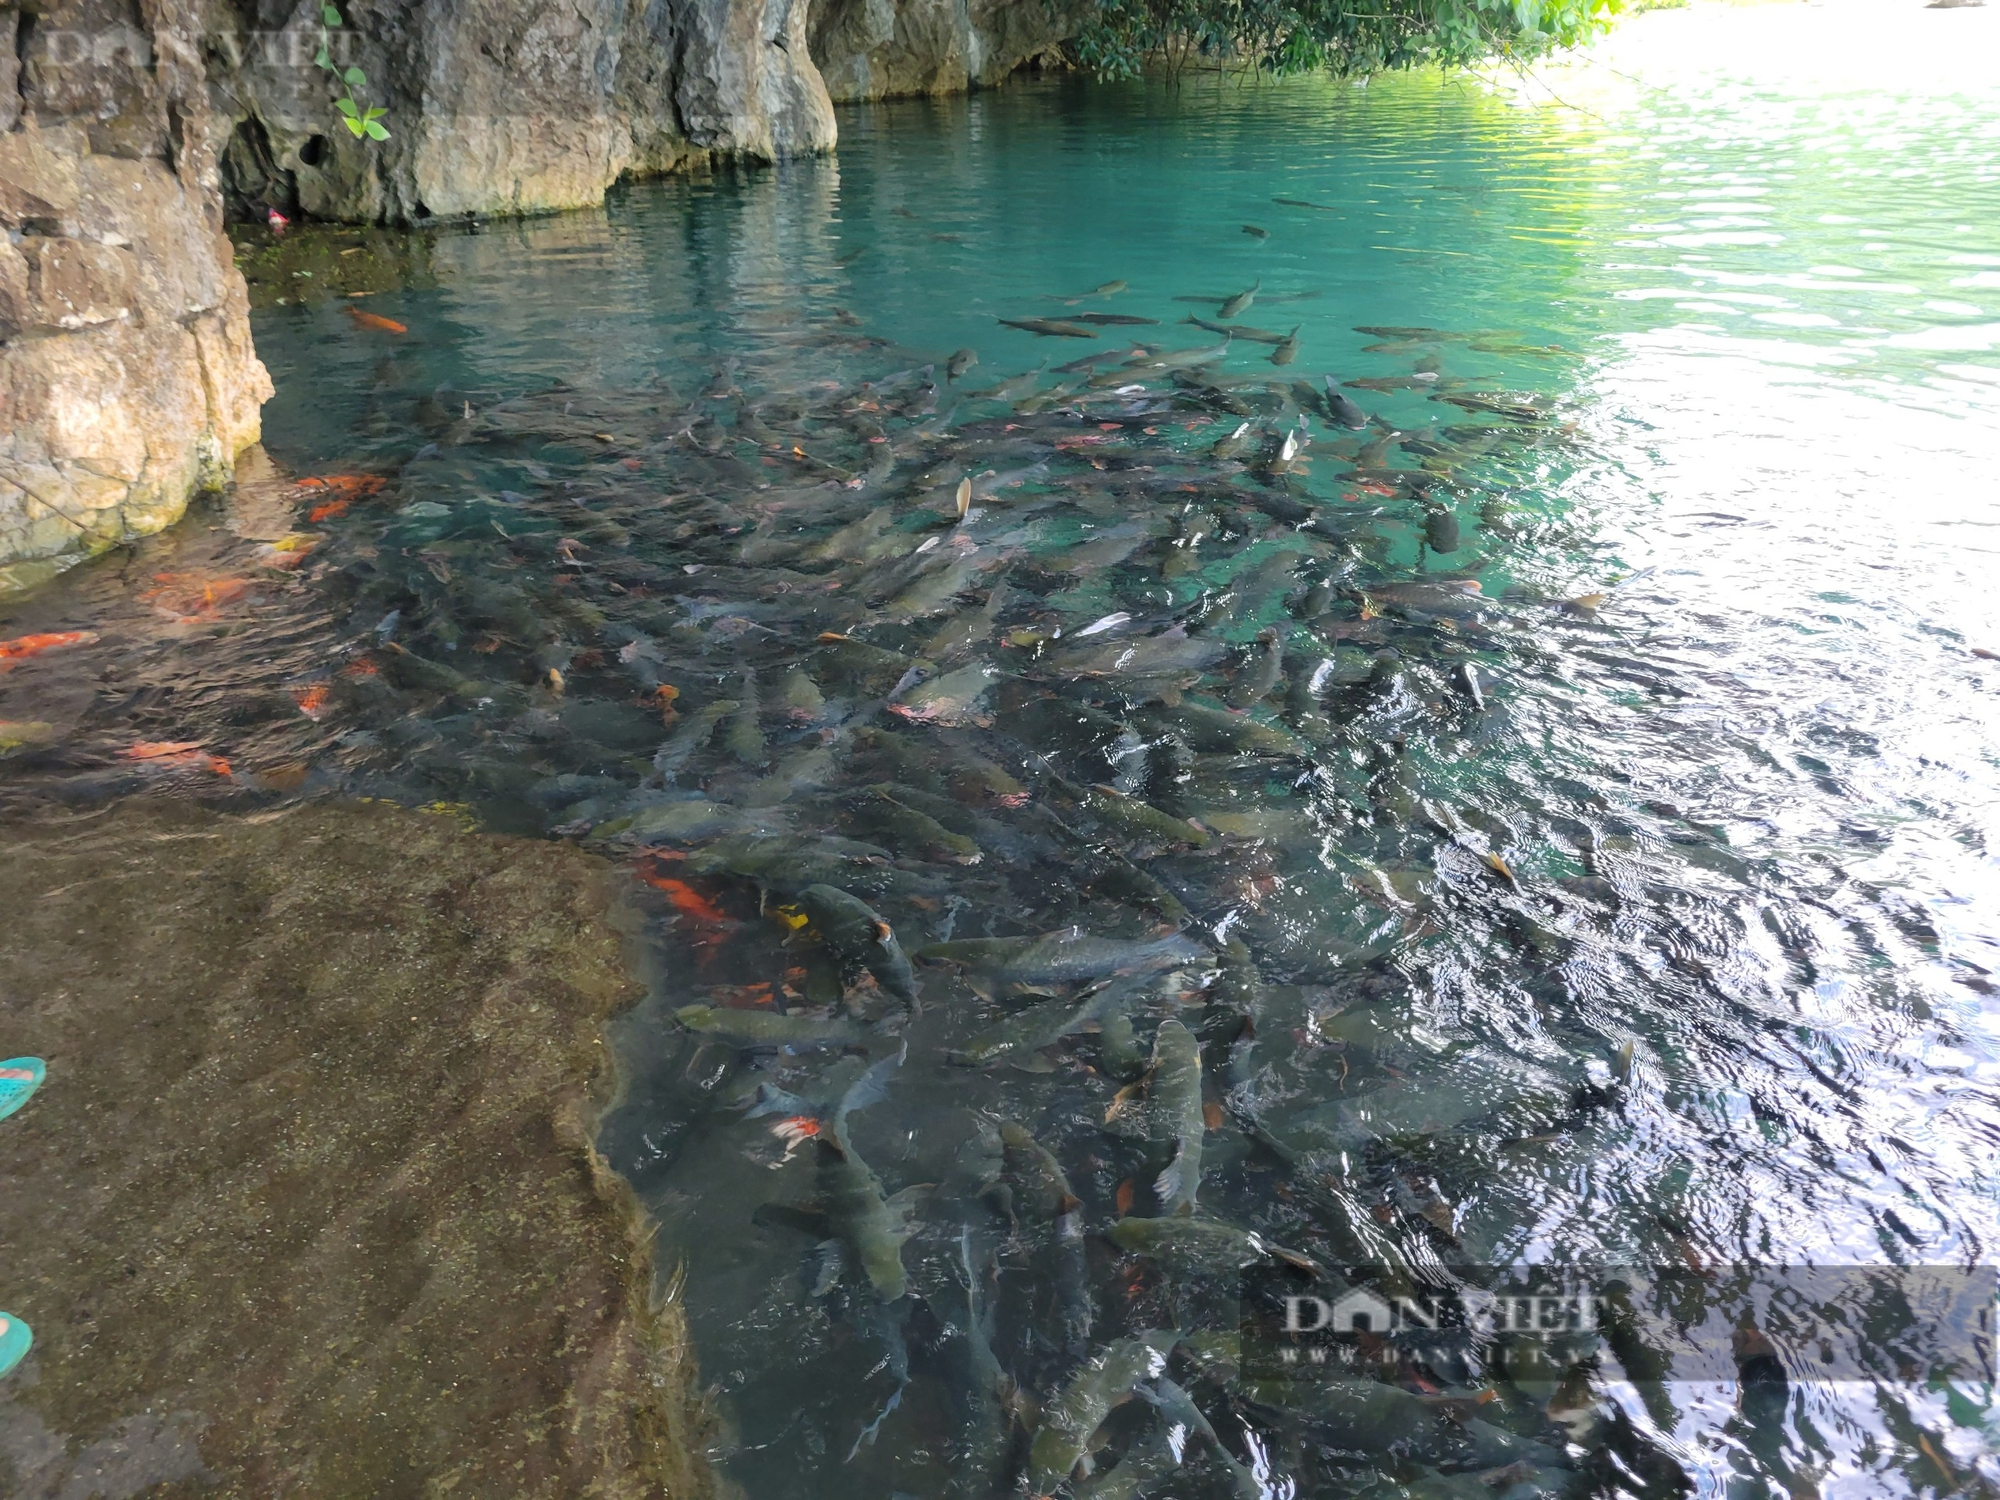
x,y
346,107
356,79
321,60
376,113
375,131
330,14
355,127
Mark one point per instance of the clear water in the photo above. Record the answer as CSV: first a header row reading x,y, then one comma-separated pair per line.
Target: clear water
x,y
1681,947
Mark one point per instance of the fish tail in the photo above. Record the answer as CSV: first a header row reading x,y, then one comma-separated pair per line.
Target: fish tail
x,y
1172,1185
868,1433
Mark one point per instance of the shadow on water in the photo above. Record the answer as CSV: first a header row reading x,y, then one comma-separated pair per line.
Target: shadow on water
x,y
1466,755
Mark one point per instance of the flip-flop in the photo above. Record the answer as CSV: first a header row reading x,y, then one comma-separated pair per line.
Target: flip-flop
x,y
19,1077
15,1338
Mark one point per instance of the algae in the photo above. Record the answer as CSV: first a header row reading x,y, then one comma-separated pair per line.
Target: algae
x,y
309,1204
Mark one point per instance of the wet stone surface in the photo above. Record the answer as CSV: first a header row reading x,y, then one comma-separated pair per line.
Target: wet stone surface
x,y
307,1203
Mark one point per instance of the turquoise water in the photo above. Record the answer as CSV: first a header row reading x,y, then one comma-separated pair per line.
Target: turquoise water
x,y
1676,943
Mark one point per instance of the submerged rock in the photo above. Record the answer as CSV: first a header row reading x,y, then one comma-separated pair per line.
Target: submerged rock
x,y
308,1203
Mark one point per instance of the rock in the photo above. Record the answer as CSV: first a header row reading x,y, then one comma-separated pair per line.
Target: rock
x,y
127,379
885,49
518,106
309,1204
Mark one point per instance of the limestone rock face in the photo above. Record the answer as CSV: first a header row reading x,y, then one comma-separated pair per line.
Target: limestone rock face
x,y
524,106
127,380
512,106
885,49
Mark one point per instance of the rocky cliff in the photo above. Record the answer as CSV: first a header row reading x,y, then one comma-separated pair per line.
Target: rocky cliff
x,y
127,380
129,132
520,106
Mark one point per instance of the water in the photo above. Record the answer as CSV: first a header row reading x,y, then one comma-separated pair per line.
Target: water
x,y
1679,946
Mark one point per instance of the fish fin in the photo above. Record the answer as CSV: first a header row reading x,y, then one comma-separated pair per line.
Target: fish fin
x,y
825,1261
772,1100
870,1088
1295,1260
868,1433
1172,1185
903,1208
803,1217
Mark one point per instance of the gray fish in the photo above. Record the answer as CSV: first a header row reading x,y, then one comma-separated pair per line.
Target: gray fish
x,y
1215,731
1242,300
1234,444
1194,1246
1050,328
1255,233
1260,673
855,932
871,1228
1341,409
1254,335
1151,1461
1441,531
764,1028
1040,1026
1094,359
1174,1115
690,737
1065,956
1288,348
1176,359
745,738
1040,1195
959,363
993,1397
953,699
1069,1421
1113,320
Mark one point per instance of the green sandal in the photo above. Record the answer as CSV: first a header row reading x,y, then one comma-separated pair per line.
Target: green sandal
x,y
15,1339
19,1078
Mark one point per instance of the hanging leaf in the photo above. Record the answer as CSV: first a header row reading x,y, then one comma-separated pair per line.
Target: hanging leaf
x,y
375,131
330,14
355,127
345,106
321,60
356,79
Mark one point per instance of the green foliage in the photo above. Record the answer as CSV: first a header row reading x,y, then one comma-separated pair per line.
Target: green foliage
x,y
1120,37
360,120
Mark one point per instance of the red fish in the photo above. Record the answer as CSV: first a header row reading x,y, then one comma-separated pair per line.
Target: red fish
x,y
345,486
689,902
24,646
311,699
328,511
175,753
161,750
376,321
191,596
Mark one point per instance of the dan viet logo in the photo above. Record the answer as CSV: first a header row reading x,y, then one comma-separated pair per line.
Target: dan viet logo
x,y
1655,1323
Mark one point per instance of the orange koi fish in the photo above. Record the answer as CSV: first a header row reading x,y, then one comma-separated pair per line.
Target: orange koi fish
x,y
24,646
375,320
175,753
345,486
312,699
689,902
